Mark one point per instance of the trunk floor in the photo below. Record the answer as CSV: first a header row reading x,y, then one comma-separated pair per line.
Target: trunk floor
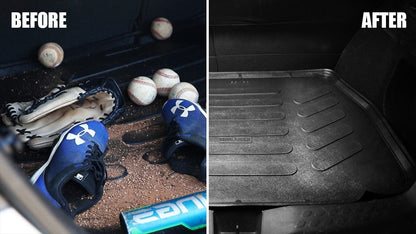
x,y
132,181
135,138
279,138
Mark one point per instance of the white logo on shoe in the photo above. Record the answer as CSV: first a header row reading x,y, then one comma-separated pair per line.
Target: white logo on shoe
x,y
79,177
77,138
182,108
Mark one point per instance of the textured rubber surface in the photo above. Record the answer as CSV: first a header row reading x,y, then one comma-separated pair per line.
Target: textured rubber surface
x,y
391,215
297,138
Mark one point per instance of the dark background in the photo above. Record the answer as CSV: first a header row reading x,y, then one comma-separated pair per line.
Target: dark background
x,y
250,35
88,22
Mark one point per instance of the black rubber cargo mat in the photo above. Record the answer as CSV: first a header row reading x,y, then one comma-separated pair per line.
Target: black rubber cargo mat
x,y
299,137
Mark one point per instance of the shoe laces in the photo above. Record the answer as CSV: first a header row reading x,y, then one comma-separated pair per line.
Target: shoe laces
x,y
172,132
95,159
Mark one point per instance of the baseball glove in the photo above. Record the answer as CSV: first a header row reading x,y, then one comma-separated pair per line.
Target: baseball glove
x,y
39,122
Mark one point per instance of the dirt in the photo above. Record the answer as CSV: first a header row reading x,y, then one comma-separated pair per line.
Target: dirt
x,y
132,181
145,183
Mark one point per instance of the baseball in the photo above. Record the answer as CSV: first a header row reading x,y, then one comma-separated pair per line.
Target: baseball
x,y
142,90
51,55
184,90
161,28
165,79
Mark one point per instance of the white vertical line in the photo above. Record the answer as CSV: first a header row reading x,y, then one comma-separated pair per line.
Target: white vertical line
x,y
207,108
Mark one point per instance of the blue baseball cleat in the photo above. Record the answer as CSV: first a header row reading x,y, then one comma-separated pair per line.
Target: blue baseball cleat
x,y
74,175
185,144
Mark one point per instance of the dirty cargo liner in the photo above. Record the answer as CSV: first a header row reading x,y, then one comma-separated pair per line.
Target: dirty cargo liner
x,y
299,137
182,53
133,180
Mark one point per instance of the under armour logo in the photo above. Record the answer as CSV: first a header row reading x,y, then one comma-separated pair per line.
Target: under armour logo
x,y
77,138
182,108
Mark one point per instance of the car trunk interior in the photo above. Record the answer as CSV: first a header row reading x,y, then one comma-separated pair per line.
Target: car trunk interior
x,y
107,39
308,110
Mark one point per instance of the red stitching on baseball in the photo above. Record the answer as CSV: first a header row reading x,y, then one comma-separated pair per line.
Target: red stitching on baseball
x,y
144,82
159,72
53,46
158,34
178,94
164,89
136,99
162,20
